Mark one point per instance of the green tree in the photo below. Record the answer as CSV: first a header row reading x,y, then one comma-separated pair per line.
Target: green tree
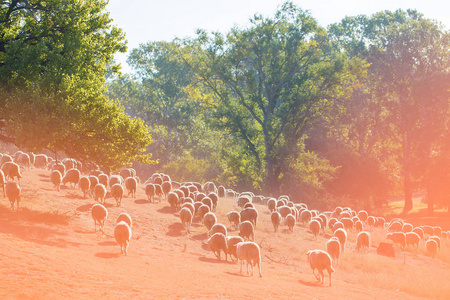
x,y
403,49
53,61
272,82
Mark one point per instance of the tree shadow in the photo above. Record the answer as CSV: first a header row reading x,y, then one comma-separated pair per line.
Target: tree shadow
x,y
107,243
28,215
200,237
309,283
85,207
214,260
236,274
142,201
166,210
107,255
175,230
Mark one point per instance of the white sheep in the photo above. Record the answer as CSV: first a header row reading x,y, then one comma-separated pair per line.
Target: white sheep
x,y
115,179
231,245
56,178
271,204
103,179
126,218
131,186
234,217
363,240
290,222
275,217
117,193
122,234
173,200
251,253
186,218
11,170
320,260
432,247
24,160
190,206
100,193
246,230
209,220
412,238
334,249
341,234
218,227
72,176
99,214
397,238
85,185
40,161
249,214
218,242
314,226
12,191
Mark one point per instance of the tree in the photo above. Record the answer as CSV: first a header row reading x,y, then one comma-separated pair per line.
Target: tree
x,y
272,82
403,49
53,61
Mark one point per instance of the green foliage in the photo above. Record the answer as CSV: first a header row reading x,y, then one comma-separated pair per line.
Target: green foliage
x,y
53,58
273,82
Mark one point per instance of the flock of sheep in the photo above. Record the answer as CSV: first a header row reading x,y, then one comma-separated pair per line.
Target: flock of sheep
x,y
195,201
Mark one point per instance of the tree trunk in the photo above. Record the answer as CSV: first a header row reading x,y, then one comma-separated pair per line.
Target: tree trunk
x,y
407,187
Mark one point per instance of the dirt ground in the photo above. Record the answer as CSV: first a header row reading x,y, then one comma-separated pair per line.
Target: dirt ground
x,y
49,250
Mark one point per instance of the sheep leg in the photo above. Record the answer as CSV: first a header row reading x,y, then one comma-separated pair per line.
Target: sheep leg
x,y
329,274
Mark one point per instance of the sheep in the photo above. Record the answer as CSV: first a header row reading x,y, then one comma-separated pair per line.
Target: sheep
x,y
290,222
242,200
234,217
363,240
125,173
305,217
419,231
214,198
114,179
158,191
231,245
371,220
432,247
126,218
11,170
207,201
249,214
363,215
117,193
437,231
246,230
72,176
249,205
186,218
190,206
426,229
341,234
338,225
40,161
58,166
218,228
334,249
437,239
131,185
324,223
16,156
397,238
56,178
358,226
202,210
103,179
150,191
173,200
100,193
6,158
166,187
380,221
284,210
209,220
276,220
320,260
85,185
218,242
314,226
250,252
221,191
12,191
348,223
3,182
395,226
407,227
122,234
24,160
99,214
94,181
412,238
